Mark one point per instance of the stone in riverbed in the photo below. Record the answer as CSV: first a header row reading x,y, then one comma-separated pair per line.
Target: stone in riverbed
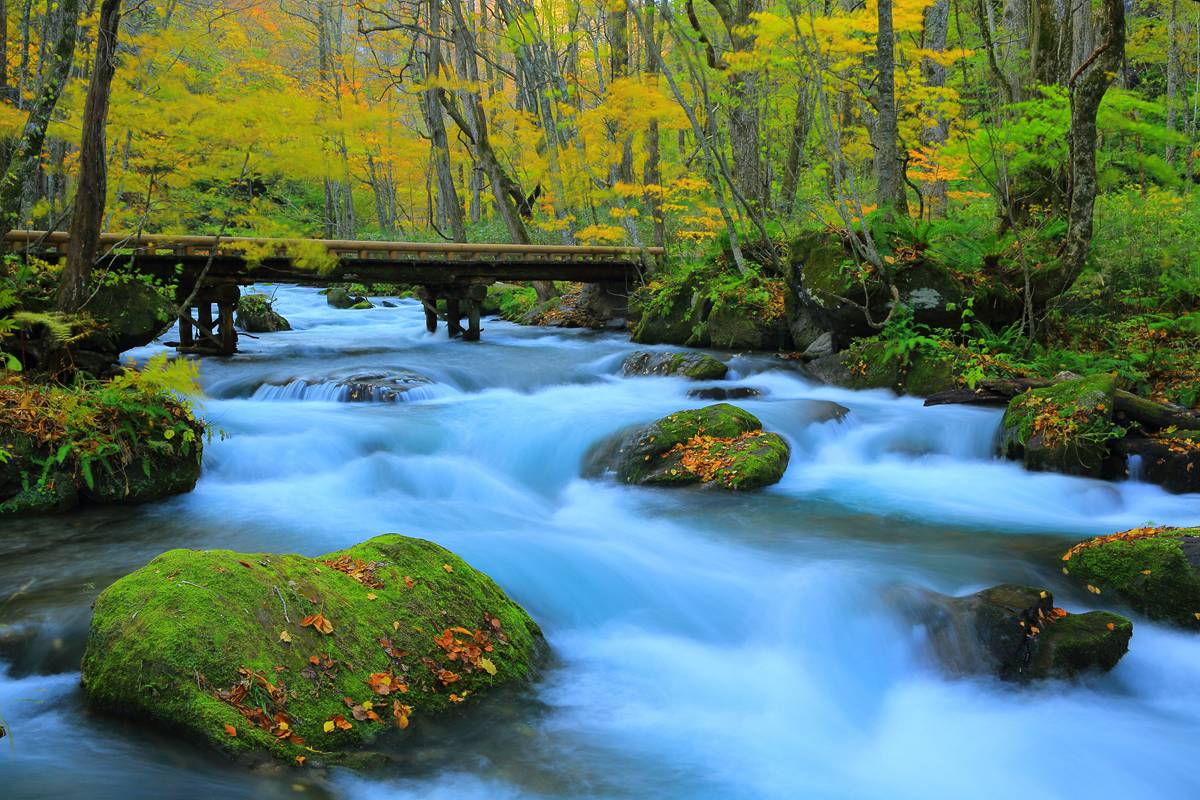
x,y
205,642
697,366
722,393
1064,428
1155,571
1015,633
257,314
719,445
1169,459
338,297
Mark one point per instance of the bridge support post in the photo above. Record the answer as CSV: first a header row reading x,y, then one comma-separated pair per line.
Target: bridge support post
x,y
429,301
475,297
453,317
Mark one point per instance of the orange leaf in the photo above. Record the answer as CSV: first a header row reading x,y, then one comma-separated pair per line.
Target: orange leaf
x,y
318,622
232,731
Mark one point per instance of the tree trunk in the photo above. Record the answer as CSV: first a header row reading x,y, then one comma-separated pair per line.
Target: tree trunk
x,y
449,205
801,123
888,168
1087,88
653,171
91,192
937,25
1173,73
745,137
27,153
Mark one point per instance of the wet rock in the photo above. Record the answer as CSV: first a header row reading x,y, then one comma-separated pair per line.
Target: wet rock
x,y
697,366
1169,459
257,314
1015,633
733,326
283,656
338,297
720,445
390,304
830,370
132,313
1064,428
672,316
381,387
722,393
821,346
815,412
1155,571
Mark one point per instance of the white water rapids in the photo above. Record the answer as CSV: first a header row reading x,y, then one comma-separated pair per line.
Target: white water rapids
x,y
703,644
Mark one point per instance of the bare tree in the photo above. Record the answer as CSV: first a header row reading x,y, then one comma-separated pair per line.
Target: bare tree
x,y
889,170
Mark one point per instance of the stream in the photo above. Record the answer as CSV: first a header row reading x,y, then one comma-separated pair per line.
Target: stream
x,y
703,644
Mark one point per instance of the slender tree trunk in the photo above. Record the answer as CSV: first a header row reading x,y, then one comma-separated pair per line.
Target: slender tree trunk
x,y
653,170
937,26
447,193
1173,74
91,192
745,136
801,124
1087,88
27,153
888,167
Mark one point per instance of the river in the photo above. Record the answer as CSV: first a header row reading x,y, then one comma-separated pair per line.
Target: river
x,y
704,644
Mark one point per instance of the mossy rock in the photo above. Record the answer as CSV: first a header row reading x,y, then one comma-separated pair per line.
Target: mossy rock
x,y
734,326
204,642
1064,428
870,365
671,314
132,312
697,366
1015,633
362,305
719,445
509,301
256,314
1170,459
1155,571
151,474
338,297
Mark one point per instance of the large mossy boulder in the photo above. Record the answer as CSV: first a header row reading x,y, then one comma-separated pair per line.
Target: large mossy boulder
x,y
671,314
719,445
303,658
340,297
1016,633
1155,571
256,314
1066,427
697,366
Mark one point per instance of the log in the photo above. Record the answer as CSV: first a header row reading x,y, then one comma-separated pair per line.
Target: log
x,y
989,392
1153,415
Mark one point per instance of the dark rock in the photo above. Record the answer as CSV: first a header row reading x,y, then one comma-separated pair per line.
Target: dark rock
x,y
340,298
697,366
1015,633
381,387
256,314
821,346
733,326
830,369
132,313
1155,571
721,393
390,304
1171,460
673,316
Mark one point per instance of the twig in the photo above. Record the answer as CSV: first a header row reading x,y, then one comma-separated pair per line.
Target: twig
x,y
284,604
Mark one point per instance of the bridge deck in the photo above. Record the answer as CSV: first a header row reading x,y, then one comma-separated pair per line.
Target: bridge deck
x,y
458,273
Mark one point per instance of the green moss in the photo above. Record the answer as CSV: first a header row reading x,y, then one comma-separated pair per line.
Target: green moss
x,y
721,444
697,366
1065,427
510,301
820,258
256,314
1153,573
166,638
1081,642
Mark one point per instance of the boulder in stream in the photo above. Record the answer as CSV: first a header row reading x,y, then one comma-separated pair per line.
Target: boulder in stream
x,y
1064,428
303,658
1169,458
257,314
1155,571
697,366
339,297
719,445
725,393
1016,633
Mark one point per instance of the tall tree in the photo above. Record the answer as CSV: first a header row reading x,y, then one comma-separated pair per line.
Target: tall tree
x,y
889,170
91,192
27,154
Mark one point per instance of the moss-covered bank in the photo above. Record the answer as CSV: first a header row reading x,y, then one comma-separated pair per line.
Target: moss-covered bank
x,y
303,658
1065,427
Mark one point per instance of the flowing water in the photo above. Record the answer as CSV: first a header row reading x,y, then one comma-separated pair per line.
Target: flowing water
x,y
704,645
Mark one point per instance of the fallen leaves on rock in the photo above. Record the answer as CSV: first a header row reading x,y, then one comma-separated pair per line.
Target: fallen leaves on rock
x,y
318,622
358,569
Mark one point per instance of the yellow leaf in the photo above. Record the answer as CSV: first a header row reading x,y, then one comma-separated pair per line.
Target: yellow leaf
x,y
371,596
448,568
488,666
1093,589
329,726
284,636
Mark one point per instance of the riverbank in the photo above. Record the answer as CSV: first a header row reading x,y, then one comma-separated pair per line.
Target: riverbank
x,y
747,638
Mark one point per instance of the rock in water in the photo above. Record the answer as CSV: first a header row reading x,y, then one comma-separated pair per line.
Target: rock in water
x,y
1062,428
1155,571
1016,633
276,654
697,366
721,445
256,314
1169,458
340,298
722,393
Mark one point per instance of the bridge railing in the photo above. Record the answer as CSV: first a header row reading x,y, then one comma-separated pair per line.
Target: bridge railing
x,y
240,246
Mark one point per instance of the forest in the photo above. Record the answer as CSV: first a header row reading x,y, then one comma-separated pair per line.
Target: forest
x,y
816,411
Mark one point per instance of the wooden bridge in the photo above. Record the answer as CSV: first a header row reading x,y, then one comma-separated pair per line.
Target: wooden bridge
x,y
210,271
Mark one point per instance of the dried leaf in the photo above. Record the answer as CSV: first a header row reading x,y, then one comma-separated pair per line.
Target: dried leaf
x,y
448,568
488,666
284,636
232,731
318,622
